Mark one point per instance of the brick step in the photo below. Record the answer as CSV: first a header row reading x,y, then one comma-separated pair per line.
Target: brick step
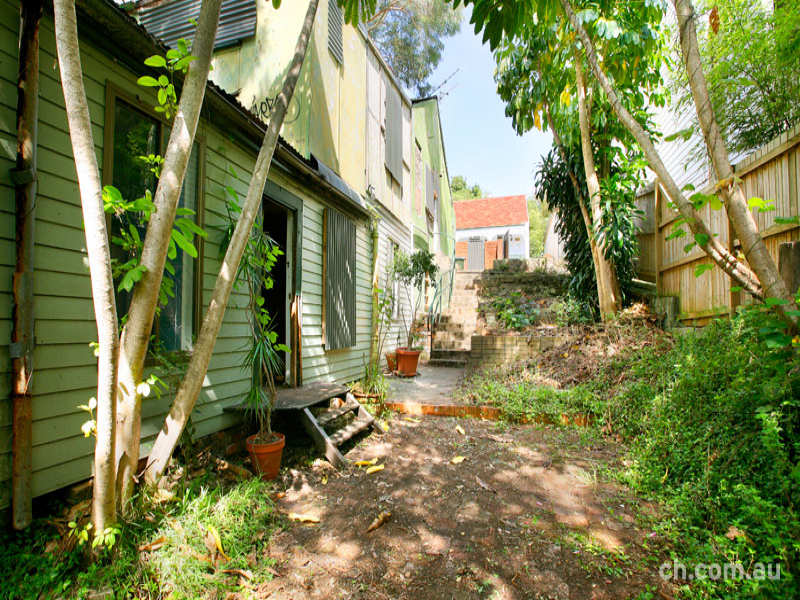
x,y
447,362
449,354
446,346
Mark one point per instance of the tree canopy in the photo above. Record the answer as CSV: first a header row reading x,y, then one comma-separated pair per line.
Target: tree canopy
x,y
749,53
461,190
410,35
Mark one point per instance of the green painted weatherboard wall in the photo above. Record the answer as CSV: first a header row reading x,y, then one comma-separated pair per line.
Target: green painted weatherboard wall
x,y
65,369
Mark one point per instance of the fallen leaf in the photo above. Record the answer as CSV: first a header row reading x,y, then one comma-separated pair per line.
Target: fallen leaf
x,y
154,545
383,425
324,480
366,463
457,460
163,496
379,520
460,430
485,485
734,533
303,518
375,469
412,420
217,541
241,572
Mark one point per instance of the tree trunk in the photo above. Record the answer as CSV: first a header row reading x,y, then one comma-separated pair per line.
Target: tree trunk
x,y
736,269
607,283
192,383
97,248
755,251
587,221
136,333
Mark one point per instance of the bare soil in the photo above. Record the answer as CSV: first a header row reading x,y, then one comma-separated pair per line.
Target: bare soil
x,y
527,513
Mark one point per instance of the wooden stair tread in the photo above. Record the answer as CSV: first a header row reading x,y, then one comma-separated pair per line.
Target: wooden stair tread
x,y
358,425
331,414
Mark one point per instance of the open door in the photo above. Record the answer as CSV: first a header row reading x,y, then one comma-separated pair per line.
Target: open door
x,y
278,224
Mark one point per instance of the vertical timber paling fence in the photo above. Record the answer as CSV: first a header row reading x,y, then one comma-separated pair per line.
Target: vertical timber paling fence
x,y
771,173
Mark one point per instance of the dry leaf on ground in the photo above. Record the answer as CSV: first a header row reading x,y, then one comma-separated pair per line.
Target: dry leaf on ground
x,y
375,469
379,520
154,545
457,460
303,518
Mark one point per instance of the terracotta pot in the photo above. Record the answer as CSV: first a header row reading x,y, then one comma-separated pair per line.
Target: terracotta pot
x,y
391,361
266,457
407,361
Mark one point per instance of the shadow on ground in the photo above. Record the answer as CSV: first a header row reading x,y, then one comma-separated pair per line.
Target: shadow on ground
x,y
525,514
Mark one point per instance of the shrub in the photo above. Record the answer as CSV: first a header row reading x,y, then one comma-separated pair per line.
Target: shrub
x,y
714,428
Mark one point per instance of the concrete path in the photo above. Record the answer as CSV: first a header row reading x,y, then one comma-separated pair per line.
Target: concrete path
x,y
433,385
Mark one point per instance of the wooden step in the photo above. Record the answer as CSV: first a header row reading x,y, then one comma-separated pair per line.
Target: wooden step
x,y
355,427
331,414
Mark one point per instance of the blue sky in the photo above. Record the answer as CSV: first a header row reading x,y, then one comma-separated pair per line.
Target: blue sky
x,y
479,141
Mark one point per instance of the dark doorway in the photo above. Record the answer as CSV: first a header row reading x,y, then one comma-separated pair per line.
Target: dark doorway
x,y
276,225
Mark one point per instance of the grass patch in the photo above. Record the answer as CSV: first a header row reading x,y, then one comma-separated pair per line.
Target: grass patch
x,y
35,565
523,396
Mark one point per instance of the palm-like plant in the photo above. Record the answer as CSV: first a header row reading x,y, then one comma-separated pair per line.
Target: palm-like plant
x,y
264,355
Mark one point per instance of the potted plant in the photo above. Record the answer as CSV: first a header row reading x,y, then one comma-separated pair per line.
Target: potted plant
x,y
264,357
412,273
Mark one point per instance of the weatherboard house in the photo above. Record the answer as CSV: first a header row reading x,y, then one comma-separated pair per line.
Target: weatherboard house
x,y
491,228
358,172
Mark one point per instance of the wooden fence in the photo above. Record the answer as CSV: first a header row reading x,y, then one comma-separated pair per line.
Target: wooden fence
x,y
772,173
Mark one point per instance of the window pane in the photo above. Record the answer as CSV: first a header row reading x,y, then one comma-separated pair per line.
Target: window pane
x,y
176,321
135,134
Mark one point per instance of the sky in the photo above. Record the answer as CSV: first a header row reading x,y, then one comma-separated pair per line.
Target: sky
x,y
480,142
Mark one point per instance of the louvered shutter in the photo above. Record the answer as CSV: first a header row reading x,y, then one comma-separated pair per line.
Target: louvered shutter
x,y
394,134
340,280
430,189
335,22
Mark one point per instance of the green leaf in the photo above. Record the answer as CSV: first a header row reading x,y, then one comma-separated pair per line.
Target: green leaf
x,y
688,247
155,61
736,288
184,244
702,268
163,81
787,220
684,134
131,278
147,81
676,233
775,301
701,239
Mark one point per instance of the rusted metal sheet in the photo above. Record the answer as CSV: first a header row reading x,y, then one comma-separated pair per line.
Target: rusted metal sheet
x,y
22,333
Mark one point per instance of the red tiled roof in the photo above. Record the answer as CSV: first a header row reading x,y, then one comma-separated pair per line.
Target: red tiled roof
x,y
491,212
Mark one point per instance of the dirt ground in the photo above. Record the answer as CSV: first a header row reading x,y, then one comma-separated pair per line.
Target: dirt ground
x,y
526,513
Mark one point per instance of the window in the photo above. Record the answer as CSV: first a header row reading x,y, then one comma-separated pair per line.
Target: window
x,y
394,134
339,275
335,23
392,281
135,133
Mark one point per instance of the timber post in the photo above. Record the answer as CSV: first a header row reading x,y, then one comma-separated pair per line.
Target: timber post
x,y
22,335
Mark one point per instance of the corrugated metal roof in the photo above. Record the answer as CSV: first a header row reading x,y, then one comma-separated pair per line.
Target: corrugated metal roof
x,y
170,20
